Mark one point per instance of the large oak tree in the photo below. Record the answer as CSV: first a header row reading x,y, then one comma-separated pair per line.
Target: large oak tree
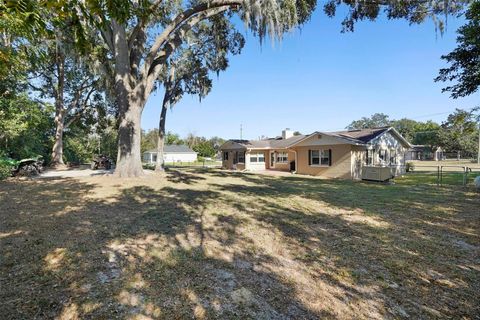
x,y
139,37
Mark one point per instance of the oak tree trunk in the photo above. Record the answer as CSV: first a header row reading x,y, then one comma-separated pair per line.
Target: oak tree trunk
x,y
129,161
161,139
57,150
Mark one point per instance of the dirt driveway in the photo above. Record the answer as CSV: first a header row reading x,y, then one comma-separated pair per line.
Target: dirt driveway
x,y
73,173
77,173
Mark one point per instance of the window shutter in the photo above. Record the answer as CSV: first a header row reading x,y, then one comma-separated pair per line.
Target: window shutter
x,y
329,157
309,157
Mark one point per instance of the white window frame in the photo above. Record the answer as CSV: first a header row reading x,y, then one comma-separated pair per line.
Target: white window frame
x,y
384,161
281,157
321,154
369,155
393,153
257,156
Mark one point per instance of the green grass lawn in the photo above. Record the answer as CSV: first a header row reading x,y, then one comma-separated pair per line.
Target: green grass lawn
x,y
198,243
448,178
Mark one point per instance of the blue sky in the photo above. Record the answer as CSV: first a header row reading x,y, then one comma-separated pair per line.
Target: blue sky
x,y
320,79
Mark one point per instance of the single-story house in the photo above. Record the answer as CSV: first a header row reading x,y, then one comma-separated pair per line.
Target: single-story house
x,y
341,154
171,153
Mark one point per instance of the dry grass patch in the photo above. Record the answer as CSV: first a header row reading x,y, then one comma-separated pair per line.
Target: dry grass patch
x,y
213,244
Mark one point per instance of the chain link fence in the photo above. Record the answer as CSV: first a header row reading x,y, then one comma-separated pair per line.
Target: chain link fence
x,y
443,175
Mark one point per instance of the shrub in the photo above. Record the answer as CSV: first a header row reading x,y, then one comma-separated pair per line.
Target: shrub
x,y
5,170
148,166
410,166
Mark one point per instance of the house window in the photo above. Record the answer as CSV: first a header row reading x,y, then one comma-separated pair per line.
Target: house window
x,y
154,158
393,157
382,156
282,157
320,157
239,157
225,155
257,157
369,157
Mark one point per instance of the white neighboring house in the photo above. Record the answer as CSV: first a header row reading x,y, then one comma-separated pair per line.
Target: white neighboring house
x,y
171,153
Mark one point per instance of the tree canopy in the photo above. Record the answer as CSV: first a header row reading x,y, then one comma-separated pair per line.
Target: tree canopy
x,y
458,133
464,60
131,47
374,121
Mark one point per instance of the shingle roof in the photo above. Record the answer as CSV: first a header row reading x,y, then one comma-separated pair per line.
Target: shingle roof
x,y
363,135
360,136
269,143
174,148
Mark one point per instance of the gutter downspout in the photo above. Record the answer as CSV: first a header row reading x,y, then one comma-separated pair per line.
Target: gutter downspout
x,y
296,160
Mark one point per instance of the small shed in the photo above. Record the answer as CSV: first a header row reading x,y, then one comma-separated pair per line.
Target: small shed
x,y
171,153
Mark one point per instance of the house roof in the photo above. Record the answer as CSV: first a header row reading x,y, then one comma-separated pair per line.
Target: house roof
x,y
274,143
174,148
363,135
356,137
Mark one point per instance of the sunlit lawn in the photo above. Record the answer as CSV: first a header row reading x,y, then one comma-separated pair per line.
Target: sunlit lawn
x,y
214,244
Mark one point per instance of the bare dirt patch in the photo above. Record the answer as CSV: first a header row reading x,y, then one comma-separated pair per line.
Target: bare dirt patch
x,y
211,244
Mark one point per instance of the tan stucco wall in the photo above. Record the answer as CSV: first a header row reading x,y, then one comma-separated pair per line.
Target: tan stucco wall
x,y
228,164
281,166
341,162
358,161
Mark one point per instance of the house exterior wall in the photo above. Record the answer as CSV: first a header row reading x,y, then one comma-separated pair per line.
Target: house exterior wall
x,y
277,165
255,166
357,161
228,164
320,140
180,157
341,161
147,157
391,144
151,157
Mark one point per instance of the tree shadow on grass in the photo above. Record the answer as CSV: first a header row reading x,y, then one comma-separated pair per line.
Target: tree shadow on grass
x,y
67,251
417,244
179,176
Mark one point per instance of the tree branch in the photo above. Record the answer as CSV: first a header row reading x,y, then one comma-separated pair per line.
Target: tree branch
x,y
81,110
177,22
174,43
141,25
101,24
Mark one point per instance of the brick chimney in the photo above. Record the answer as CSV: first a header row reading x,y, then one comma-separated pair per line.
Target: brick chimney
x,y
287,133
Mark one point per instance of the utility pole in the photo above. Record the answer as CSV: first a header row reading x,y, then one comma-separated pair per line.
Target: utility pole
x,y
241,131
